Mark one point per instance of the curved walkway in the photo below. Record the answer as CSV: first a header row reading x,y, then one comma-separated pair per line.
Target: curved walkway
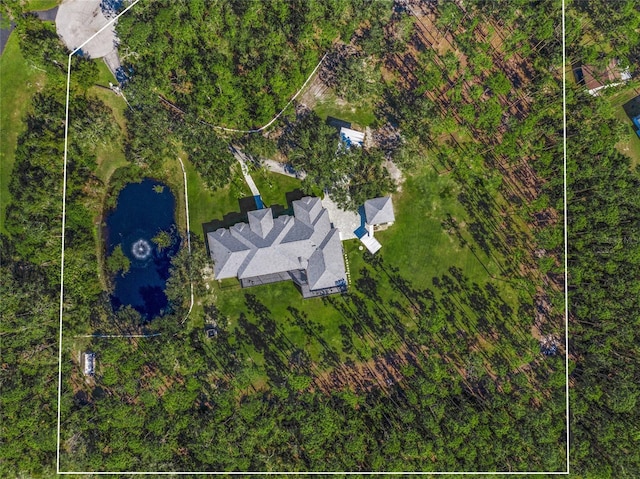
x,y
186,206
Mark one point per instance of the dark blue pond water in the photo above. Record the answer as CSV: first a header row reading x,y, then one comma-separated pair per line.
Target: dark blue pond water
x,y
141,213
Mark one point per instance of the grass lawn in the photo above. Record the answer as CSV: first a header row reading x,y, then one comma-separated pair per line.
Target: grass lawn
x,y
277,298
19,82
631,145
417,245
104,74
111,157
273,187
360,115
35,5
206,205
417,242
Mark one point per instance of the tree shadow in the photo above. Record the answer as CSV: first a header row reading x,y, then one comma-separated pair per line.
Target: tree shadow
x,y
292,196
245,205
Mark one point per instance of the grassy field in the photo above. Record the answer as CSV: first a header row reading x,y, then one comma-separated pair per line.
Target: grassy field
x,y
330,105
111,157
273,186
417,243
19,82
418,248
631,145
35,5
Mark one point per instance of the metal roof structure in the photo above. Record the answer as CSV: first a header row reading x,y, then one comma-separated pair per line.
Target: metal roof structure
x,y
351,137
89,363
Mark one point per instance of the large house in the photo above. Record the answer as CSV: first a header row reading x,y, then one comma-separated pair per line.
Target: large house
x,y
305,248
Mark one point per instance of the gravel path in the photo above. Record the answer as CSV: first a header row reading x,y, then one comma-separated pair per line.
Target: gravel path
x,y
280,168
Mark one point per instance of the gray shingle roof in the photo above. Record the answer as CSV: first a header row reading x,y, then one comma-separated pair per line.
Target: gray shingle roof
x,y
261,221
326,264
228,251
269,246
379,211
307,209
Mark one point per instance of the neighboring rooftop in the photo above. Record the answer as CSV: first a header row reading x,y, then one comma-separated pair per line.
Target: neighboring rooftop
x,y
595,79
379,211
303,247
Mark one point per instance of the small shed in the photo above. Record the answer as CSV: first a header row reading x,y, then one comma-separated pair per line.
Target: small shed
x,y
89,363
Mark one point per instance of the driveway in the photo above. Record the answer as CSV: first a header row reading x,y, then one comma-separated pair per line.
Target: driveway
x,y
78,20
282,169
346,221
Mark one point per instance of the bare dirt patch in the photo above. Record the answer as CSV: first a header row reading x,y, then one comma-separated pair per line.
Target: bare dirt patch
x,y
381,372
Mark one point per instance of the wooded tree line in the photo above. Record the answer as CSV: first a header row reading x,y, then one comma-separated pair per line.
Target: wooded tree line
x,y
602,31
30,253
235,64
351,175
604,254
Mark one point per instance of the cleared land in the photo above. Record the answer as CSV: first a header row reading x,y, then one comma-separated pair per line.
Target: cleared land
x,y
329,105
421,254
20,81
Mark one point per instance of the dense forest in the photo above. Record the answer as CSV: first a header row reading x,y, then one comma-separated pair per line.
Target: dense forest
x,y
236,63
180,401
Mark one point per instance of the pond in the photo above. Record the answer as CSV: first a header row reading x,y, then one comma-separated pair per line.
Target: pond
x,y
141,237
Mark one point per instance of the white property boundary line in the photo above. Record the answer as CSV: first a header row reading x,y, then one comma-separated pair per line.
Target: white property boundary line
x,y
484,473
281,111
64,216
258,130
566,234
